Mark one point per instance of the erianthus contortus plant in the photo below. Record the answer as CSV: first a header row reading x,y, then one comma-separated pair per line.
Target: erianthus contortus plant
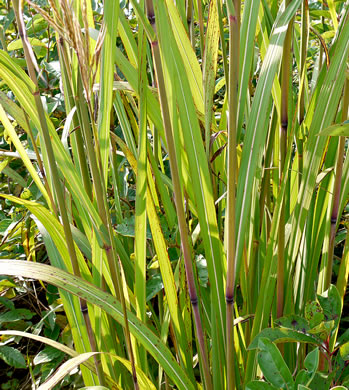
x,y
192,195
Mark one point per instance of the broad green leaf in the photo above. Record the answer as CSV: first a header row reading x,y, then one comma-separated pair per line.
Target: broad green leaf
x,y
127,228
12,357
311,361
16,315
18,44
154,285
47,355
4,224
294,322
323,330
107,302
259,385
303,377
314,313
321,381
273,365
344,351
283,335
331,304
341,129
7,302
36,24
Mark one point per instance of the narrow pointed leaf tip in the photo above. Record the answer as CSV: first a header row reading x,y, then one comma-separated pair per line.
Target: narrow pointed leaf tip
x,y
341,129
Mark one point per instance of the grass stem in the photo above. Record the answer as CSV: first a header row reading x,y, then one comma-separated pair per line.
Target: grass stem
x,y
30,59
234,48
179,202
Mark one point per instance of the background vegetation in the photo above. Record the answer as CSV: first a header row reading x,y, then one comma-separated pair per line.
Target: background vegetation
x,y
174,194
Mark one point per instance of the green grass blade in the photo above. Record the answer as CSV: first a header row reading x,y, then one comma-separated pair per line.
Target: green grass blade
x,y
124,123
191,65
165,268
143,19
71,303
141,194
210,68
128,40
111,16
23,89
109,304
268,279
248,31
322,117
130,74
199,172
60,347
256,127
163,191
20,149
56,233
263,41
